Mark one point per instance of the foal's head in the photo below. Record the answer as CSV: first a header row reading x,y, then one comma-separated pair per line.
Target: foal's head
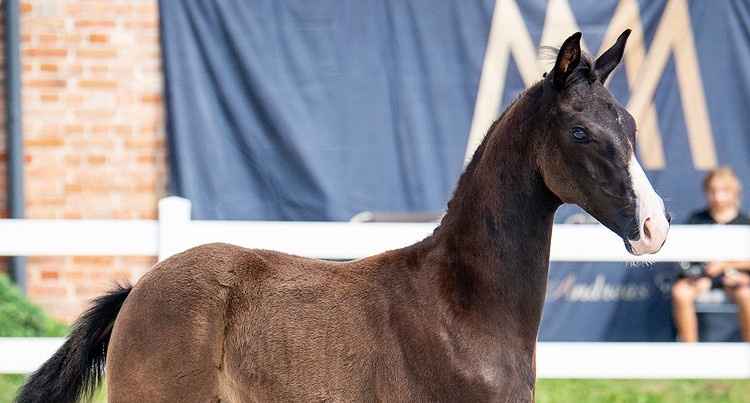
x,y
588,151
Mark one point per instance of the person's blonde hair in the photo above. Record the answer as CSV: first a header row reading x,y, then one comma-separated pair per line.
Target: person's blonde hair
x,y
724,171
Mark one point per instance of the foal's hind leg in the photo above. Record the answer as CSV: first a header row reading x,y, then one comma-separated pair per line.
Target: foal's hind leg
x,y
166,344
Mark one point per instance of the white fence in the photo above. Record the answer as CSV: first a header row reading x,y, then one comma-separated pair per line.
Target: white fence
x,y
174,231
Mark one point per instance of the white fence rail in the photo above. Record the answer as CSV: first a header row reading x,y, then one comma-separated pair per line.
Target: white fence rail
x,y
554,360
174,231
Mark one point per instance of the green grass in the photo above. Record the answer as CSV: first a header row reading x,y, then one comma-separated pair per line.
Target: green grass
x,y
575,390
8,386
643,391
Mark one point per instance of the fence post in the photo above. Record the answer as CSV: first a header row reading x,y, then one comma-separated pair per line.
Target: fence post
x,y
174,216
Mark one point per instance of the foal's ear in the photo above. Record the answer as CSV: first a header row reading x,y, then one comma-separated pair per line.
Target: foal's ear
x,y
567,60
610,59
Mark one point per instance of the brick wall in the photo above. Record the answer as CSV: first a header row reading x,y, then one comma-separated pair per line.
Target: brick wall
x,y
93,127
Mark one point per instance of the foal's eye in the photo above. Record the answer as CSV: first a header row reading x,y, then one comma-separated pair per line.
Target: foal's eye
x,y
579,135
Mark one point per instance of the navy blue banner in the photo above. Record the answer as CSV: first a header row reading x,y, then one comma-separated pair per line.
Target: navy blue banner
x,y
298,110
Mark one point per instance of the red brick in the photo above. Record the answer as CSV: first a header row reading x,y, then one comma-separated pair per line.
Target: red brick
x,y
147,128
46,37
153,143
98,38
49,68
97,143
125,8
97,159
73,7
44,83
100,8
123,128
44,142
95,23
147,159
73,38
49,130
96,53
146,8
99,69
75,275
94,113
53,261
149,188
73,128
142,24
42,174
98,84
102,129
45,52
42,24
50,275
151,98
48,97
73,188
46,201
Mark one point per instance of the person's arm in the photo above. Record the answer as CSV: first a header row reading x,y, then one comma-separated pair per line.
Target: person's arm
x,y
714,269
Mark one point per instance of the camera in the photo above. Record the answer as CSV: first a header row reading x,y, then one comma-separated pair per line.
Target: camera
x,y
692,269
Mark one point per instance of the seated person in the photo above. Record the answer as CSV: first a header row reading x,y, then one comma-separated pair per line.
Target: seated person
x,y
722,190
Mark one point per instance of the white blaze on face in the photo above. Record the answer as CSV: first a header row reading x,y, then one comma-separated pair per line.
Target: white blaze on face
x,y
652,220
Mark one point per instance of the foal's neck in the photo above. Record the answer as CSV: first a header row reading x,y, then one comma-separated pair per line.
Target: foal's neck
x,y
496,232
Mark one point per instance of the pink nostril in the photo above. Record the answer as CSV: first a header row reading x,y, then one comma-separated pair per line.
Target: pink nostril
x,y
646,229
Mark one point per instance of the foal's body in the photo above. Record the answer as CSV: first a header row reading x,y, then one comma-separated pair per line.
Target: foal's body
x,y
451,318
392,338
371,329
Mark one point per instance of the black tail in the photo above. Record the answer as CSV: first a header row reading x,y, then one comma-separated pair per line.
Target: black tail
x,y
76,368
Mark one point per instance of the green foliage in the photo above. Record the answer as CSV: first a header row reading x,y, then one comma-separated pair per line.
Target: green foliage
x,y
20,318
